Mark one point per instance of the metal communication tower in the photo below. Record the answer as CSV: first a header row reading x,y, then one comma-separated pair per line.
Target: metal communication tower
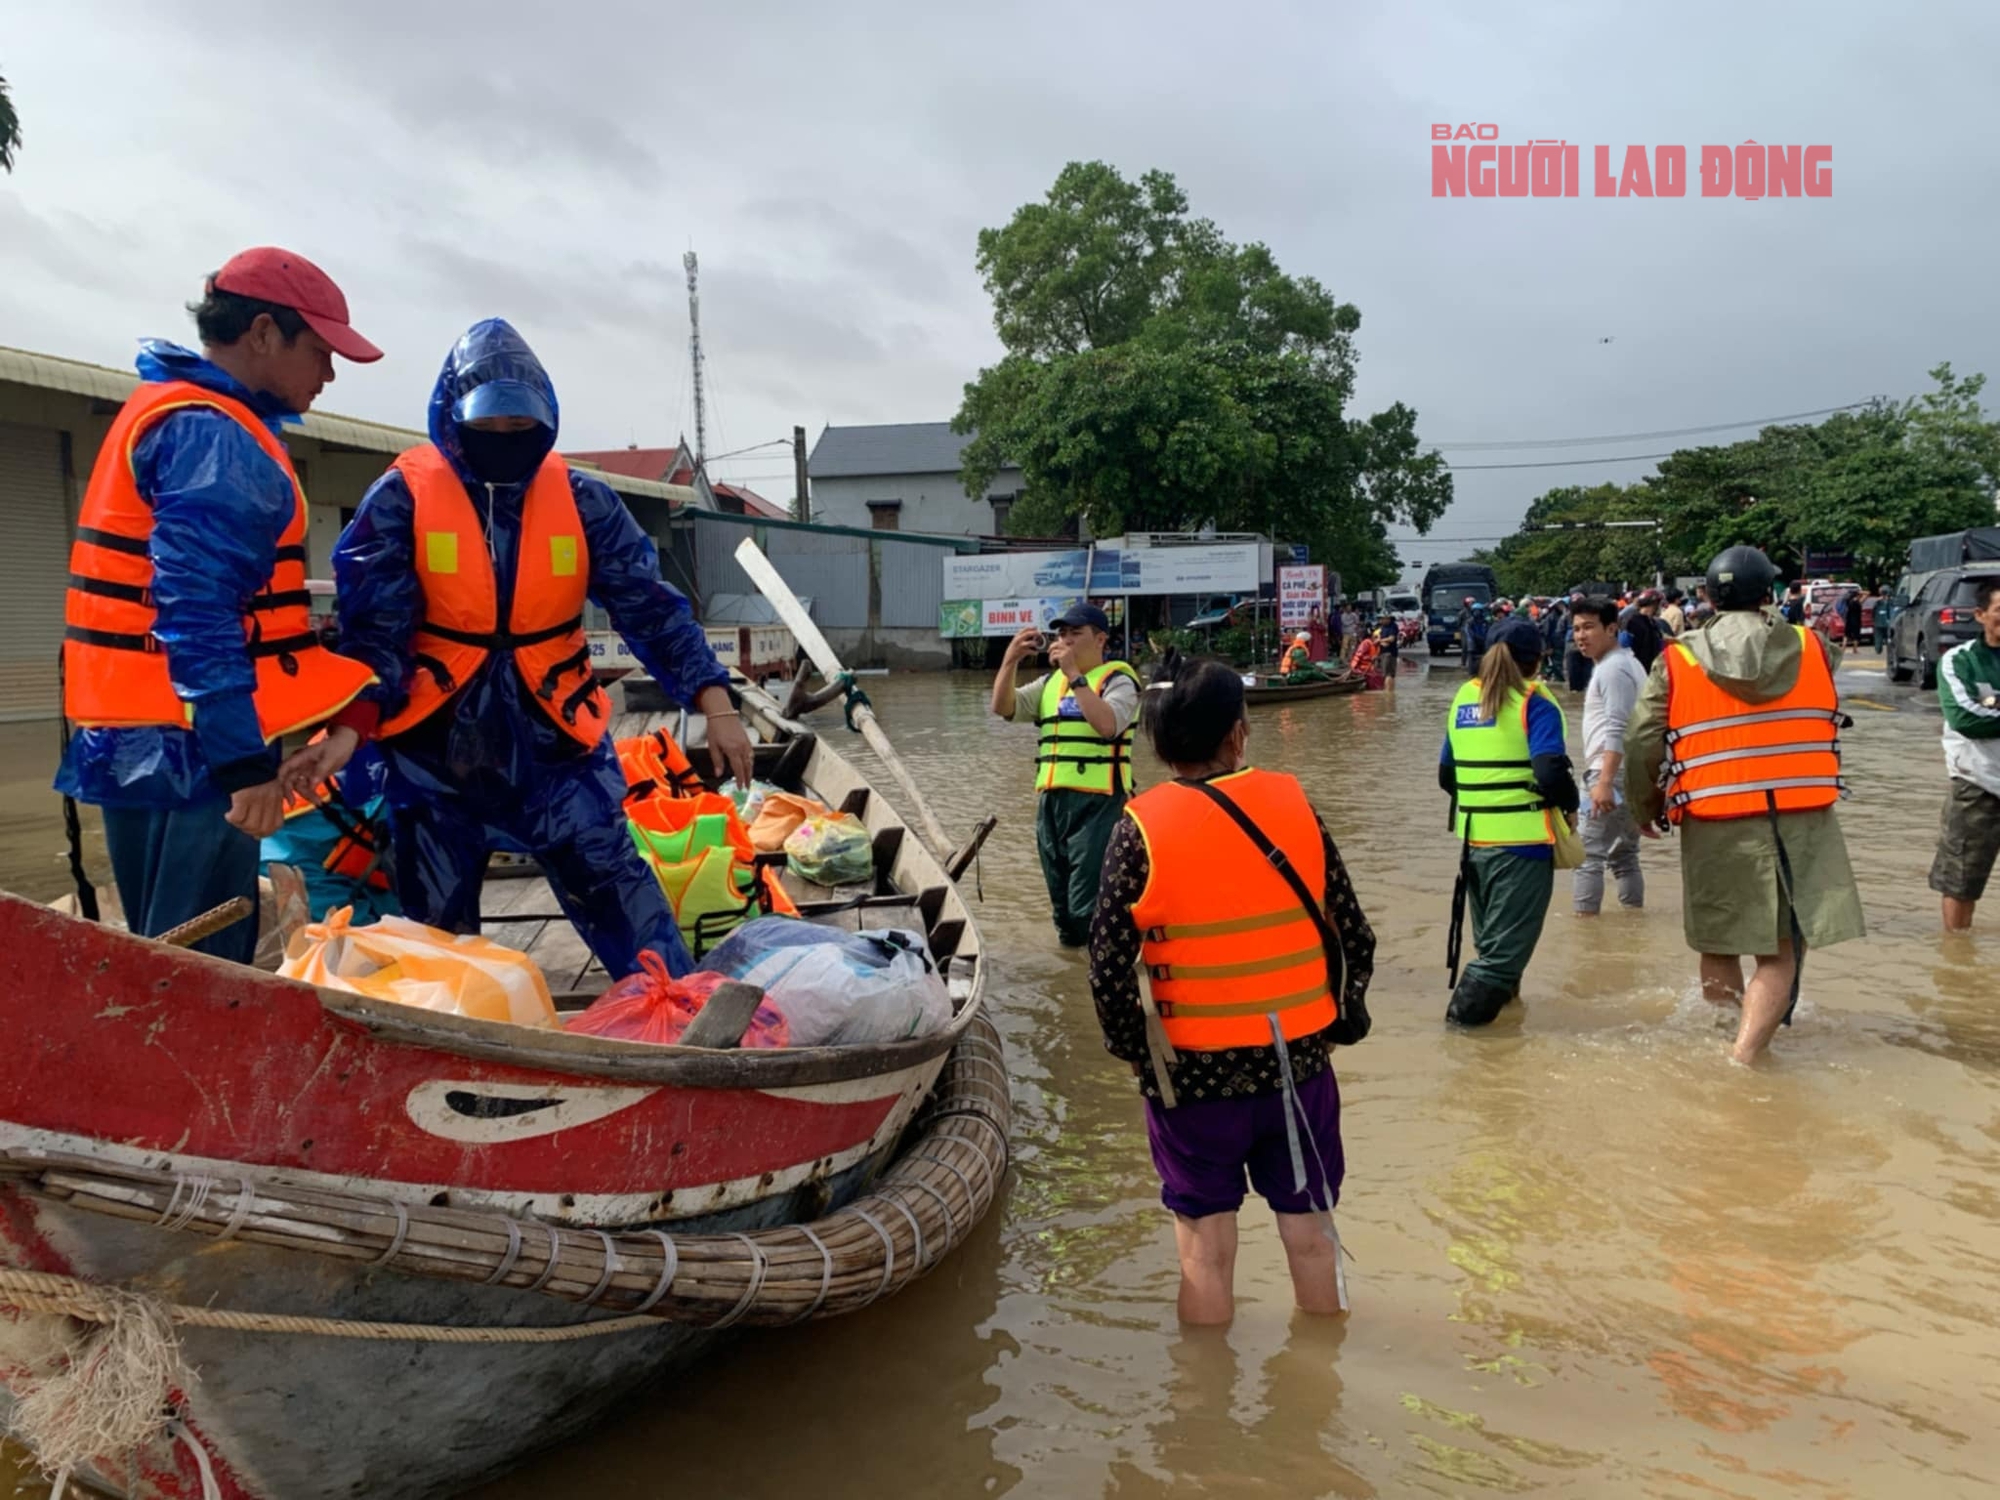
x,y
694,350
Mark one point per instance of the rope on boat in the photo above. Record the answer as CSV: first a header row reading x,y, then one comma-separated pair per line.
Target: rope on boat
x,y
925,1204
95,1302
122,1382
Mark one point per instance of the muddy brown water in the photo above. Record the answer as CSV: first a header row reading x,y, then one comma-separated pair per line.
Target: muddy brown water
x,y
1590,1256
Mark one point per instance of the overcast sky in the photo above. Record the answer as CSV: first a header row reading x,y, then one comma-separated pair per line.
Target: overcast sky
x,y
832,166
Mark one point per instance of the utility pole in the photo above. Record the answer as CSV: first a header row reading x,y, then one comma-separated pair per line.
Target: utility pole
x,y
694,350
801,501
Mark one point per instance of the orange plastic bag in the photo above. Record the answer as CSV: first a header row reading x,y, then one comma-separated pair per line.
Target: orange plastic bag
x,y
780,814
653,1006
460,974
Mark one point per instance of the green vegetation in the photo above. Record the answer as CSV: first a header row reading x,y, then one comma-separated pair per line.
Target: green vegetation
x,y
10,129
1159,378
1862,482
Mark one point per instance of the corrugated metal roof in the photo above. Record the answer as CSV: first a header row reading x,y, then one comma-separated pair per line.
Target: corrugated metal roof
x,y
77,377
887,448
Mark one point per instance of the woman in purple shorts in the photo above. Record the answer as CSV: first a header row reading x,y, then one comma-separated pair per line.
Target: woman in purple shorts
x,y
1224,885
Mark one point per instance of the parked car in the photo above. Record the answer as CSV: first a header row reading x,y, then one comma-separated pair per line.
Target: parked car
x,y
1828,609
1939,618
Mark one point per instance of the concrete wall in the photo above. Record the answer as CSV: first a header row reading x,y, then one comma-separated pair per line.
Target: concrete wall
x,y
931,502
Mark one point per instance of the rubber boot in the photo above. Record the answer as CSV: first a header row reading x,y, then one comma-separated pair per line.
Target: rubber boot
x,y
1476,1003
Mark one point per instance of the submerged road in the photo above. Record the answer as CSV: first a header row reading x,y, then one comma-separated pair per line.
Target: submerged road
x,y
1591,1257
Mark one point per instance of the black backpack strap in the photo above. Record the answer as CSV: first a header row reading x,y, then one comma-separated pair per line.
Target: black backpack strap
x,y
1336,956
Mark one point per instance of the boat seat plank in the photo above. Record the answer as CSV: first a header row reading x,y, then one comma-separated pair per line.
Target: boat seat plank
x,y
888,843
945,938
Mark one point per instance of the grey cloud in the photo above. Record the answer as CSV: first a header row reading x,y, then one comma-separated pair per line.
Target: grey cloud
x,y
833,172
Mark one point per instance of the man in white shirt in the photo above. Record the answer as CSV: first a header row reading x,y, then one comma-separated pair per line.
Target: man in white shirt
x,y
1610,836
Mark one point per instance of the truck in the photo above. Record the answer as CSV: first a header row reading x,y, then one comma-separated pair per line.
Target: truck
x,y
1445,589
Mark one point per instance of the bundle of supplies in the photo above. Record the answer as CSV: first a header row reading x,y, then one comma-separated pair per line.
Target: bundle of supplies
x,y
838,988
777,816
653,1006
460,974
832,849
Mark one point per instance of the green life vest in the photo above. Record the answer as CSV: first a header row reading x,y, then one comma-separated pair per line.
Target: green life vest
x,y
1493,773
710,890
1072,756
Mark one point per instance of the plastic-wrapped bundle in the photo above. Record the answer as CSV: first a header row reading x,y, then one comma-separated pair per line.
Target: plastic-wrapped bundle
x,y
836,988
653,1006
832,849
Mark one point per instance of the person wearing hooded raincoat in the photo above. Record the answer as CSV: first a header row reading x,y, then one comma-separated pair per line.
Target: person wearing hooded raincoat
x,y
191,540
1741,895
491,764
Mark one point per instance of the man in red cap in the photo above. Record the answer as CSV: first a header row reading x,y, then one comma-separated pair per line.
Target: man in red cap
x,y
188,650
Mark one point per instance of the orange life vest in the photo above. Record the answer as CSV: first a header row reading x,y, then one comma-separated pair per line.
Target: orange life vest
x,y
460,622
1732,759
115,671
655,762
1365,654
1223,938
357,854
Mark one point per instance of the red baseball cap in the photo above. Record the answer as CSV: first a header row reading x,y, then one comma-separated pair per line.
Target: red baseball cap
x,y
273,275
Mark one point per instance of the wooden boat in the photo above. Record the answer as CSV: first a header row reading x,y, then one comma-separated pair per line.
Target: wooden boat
x,y
1271,688
402,1249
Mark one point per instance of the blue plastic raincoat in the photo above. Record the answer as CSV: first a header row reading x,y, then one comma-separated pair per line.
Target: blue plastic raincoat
x,y
219,506
489,769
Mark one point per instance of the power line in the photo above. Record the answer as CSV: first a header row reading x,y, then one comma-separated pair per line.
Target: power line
x,y
1561,463
1668,432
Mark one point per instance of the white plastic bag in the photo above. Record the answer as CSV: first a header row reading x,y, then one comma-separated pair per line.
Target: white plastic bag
x,y
838,988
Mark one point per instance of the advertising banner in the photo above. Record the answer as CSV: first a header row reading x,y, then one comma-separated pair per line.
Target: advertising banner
x,y
1224,568
1301,590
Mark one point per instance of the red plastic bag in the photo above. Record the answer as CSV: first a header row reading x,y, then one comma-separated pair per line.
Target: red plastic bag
x,y
653,1006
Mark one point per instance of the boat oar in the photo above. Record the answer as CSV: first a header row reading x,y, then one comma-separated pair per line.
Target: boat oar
x,y
210,922
753,562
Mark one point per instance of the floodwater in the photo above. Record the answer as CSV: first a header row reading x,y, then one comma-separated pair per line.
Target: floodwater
x,y
1591,1257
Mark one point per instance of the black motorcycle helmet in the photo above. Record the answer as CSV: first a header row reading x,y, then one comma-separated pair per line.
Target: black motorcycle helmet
x,y
1741,578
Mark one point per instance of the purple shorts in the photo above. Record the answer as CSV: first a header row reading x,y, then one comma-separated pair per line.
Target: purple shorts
x,y
1202,1147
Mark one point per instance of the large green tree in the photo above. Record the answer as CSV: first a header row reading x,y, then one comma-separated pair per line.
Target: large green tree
x,y
1862,482
10,129
1158,377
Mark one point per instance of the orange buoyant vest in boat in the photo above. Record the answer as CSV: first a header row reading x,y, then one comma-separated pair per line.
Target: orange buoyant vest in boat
x,y
115,671
460,624
655,762
1727,758
1222,936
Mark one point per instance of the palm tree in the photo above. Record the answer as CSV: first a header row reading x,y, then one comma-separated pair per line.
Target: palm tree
x,y
10,129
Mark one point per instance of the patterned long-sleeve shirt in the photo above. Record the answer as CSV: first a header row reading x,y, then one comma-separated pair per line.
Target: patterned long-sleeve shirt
x,y
1231,1072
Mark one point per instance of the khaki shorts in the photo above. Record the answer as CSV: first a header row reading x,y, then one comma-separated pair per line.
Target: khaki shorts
x,y
1968,840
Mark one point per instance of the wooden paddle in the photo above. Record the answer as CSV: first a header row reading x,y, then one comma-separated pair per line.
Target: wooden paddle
x,y
753,562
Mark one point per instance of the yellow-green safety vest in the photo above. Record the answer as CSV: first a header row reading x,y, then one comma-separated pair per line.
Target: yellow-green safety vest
x,y
710,890
1493,772
1073,757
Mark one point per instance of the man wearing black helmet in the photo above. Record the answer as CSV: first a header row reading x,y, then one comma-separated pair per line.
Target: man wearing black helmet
x,y
1736,741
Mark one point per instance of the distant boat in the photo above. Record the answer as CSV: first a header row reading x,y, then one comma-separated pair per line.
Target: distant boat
x,y
1269,688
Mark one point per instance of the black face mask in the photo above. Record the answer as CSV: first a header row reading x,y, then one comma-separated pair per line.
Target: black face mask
x,y
504,457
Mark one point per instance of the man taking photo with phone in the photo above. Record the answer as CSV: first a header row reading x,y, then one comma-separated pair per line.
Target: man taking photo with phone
x,y
1083,710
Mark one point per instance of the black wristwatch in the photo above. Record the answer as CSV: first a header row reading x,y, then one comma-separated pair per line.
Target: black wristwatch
x,y
1078,681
